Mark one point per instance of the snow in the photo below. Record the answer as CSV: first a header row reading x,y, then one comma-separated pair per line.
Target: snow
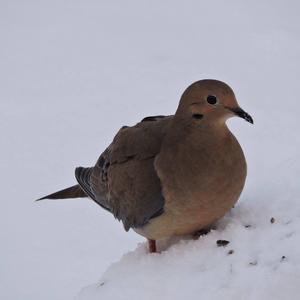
x,y
261,260
72,73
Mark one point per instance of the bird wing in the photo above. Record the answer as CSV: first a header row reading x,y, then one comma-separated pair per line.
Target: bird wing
x,y
124,180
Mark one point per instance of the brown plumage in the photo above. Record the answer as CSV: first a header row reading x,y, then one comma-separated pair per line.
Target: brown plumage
x,y
171,175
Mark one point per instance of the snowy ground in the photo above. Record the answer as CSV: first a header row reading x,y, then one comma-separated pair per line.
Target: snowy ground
x,y
72,73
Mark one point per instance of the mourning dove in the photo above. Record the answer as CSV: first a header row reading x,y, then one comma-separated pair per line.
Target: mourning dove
x,y
171,175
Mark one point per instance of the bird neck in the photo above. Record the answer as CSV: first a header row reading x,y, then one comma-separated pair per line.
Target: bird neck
x,y
187,130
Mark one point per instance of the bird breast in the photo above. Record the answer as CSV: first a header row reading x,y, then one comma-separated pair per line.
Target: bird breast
x,y
201,178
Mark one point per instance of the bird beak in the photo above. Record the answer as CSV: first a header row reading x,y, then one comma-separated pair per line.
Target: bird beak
x,y
242,114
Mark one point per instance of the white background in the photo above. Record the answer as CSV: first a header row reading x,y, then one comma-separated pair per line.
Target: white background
x,y
73,72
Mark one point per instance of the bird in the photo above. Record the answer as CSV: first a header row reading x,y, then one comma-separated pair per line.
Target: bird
x,y
170,175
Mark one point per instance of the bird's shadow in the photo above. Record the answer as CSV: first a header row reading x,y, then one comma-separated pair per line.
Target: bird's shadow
x,y
165,244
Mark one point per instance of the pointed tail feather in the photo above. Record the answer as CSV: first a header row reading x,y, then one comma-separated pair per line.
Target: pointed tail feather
x,y
72,192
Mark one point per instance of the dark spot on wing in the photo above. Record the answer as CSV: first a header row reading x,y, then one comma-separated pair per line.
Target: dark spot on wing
x,y
153,118
101,161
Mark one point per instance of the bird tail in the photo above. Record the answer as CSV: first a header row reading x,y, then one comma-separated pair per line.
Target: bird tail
x,y
74,191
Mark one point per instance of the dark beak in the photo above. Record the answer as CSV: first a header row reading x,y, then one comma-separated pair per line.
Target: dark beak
x,y
242,114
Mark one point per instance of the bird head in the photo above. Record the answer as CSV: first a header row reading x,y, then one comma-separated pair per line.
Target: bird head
x,y
210,100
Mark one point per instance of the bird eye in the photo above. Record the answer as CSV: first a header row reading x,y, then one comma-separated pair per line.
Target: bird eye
x,y
212,99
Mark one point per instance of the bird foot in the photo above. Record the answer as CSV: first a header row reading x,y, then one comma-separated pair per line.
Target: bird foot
x,y
152,246
199,233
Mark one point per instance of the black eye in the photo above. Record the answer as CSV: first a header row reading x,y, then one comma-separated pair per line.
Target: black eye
x,y
212,99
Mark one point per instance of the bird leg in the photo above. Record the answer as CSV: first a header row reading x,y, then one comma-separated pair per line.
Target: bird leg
x,y
152,246
200,232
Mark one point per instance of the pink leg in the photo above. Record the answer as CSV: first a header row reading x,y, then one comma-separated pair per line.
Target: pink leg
x,y
152,246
